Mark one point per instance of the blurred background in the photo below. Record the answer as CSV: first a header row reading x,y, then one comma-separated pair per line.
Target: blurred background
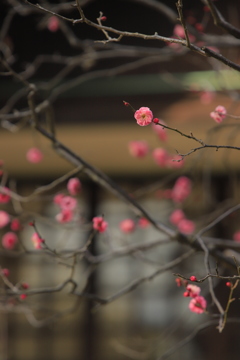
x,y
87,82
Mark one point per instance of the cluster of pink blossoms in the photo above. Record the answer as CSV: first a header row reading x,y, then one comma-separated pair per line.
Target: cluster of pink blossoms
x,y
181,189
66,203
128,226
184,225
198,303
10,238
219,114
140,149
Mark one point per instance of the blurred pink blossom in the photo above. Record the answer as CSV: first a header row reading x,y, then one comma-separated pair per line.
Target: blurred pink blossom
x,y
15,225
176,216
74,186
34,155
37,241
9,240
160,156
143,223
99,224
58,198
206,97
65,216
138,149
160,130
4,198
193,290
198,304
53,24
236,236
179,32
182,189
127,226
5,272
186,226
67,203
4,218
219,114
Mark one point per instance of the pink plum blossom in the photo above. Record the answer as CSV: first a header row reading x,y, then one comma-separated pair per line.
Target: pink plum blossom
x,y
65,216
4,198
206,97
143,116
143,223
68,203
34,155
9,240
186,226
37,241
99,224
160,130
53,24
176,216
15,225
127,226
4,218
178,282
198,304
179,32
160,156
219,113
182,189
58,198
193,290
138,149
74,186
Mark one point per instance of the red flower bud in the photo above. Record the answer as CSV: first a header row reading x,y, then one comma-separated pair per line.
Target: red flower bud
x,y
23,296
193,278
